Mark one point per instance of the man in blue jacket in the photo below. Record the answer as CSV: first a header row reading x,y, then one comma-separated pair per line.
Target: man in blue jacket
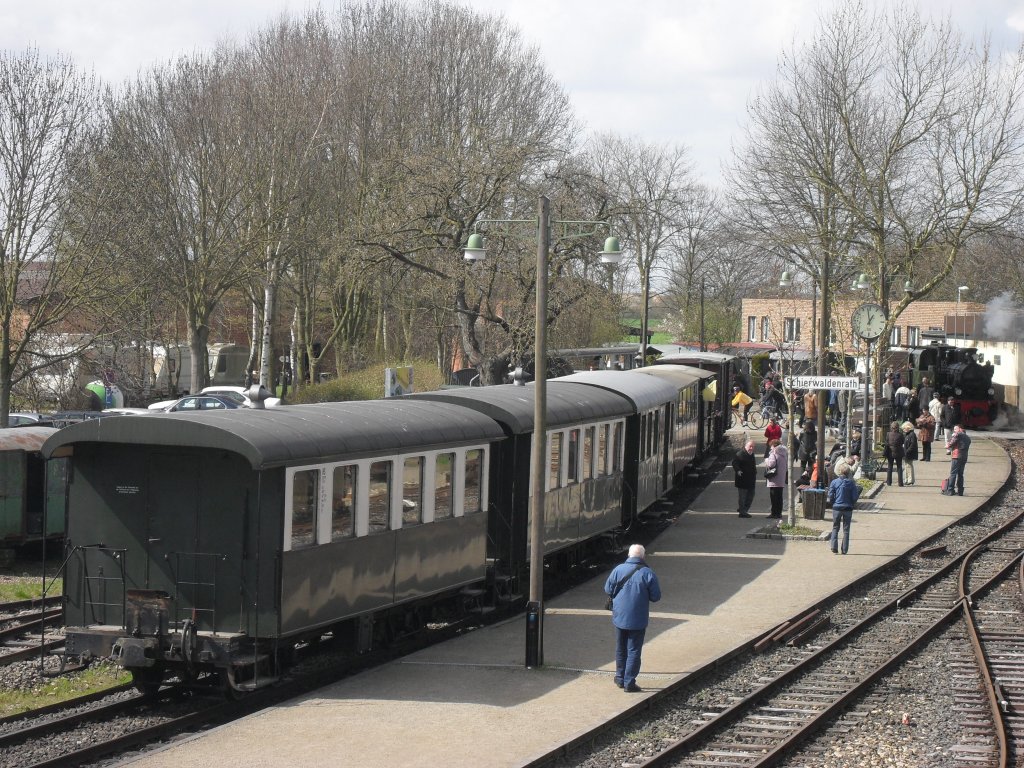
x,y
633,587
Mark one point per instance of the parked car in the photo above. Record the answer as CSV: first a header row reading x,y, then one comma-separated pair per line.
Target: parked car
x,y
22,419
127,411
239,395
194,403
243,392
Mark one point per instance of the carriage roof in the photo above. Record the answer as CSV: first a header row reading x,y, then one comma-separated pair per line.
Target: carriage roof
x,y
567,403
293,434
643,392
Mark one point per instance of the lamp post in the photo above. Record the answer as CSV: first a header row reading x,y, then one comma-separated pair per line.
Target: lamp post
x,y
475,251
785,281
956,321
822,367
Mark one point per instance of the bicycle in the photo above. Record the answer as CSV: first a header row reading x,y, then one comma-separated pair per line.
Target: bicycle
x,y
760,417
754,418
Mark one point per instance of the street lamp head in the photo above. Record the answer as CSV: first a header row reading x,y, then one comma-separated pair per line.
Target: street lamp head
x,y
908,287
861,282
612,253
474,250
962,288
786,280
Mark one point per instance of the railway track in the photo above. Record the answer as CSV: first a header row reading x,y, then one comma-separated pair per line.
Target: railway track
x,y
780,700
80,734
766,726
24,628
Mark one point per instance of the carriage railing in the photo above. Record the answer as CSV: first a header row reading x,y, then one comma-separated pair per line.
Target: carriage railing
x,y
194,588
102,592
117,555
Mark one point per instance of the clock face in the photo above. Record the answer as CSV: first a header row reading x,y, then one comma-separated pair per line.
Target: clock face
x,y
868,321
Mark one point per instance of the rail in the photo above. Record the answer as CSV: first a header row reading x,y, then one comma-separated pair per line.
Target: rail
x,y
810,722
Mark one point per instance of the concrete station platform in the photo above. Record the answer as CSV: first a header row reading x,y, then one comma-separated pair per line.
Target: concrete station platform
x,y
471,702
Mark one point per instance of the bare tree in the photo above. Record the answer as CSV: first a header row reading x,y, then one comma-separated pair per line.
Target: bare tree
x,y
926,132
650,187
185,181
884,141
456,129
286,91
52,241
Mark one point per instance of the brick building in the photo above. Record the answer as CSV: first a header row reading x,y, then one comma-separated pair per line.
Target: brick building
x,y
791,321
788,323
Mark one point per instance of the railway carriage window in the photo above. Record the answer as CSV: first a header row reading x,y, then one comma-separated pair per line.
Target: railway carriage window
x,y
556,461
573,458
602,450
343,502
588,452
305,493
444,478
380,496
617,447
412,491
472,500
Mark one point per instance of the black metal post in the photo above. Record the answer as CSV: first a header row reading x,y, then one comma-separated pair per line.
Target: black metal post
x,y
535,608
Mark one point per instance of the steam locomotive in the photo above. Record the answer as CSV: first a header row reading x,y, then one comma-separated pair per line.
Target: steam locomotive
x,y
956,373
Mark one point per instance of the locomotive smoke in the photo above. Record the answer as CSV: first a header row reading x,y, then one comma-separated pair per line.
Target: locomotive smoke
x,y
1004,318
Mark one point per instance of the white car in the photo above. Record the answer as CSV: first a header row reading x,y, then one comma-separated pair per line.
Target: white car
x,y
239,395
226,391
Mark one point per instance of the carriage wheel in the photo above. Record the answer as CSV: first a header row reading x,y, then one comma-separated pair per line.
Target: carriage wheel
x,y
147,680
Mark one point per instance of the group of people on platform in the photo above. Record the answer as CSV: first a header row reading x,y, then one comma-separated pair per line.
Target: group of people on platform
x,y
905,403
905,443
920,418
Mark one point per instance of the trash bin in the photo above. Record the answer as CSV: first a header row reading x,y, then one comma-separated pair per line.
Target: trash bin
x,y
814,504
868,469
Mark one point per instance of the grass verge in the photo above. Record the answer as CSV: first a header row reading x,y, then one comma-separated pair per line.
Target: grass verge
x,y
27,588
57,689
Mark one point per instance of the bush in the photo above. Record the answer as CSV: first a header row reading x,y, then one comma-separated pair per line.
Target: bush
x,y
365,384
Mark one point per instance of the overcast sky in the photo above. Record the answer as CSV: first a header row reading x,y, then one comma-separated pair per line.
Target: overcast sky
x,y
661,70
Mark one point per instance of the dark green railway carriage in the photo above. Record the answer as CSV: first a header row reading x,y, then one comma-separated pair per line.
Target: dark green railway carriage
x,y
647,473
31,492
200,542
723,366
591,482
691,413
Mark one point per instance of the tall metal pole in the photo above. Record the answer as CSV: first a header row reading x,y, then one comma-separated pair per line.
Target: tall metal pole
x,y
703,343
865,454
535,607
823,371
644,322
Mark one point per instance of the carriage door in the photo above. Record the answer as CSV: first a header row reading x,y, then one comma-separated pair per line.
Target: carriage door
x,y
173,533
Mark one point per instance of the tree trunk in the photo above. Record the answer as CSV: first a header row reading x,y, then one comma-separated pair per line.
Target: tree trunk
x,y
5,375
267,334
199,336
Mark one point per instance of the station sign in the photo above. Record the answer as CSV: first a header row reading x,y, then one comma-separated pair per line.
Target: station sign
x,y
848,383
